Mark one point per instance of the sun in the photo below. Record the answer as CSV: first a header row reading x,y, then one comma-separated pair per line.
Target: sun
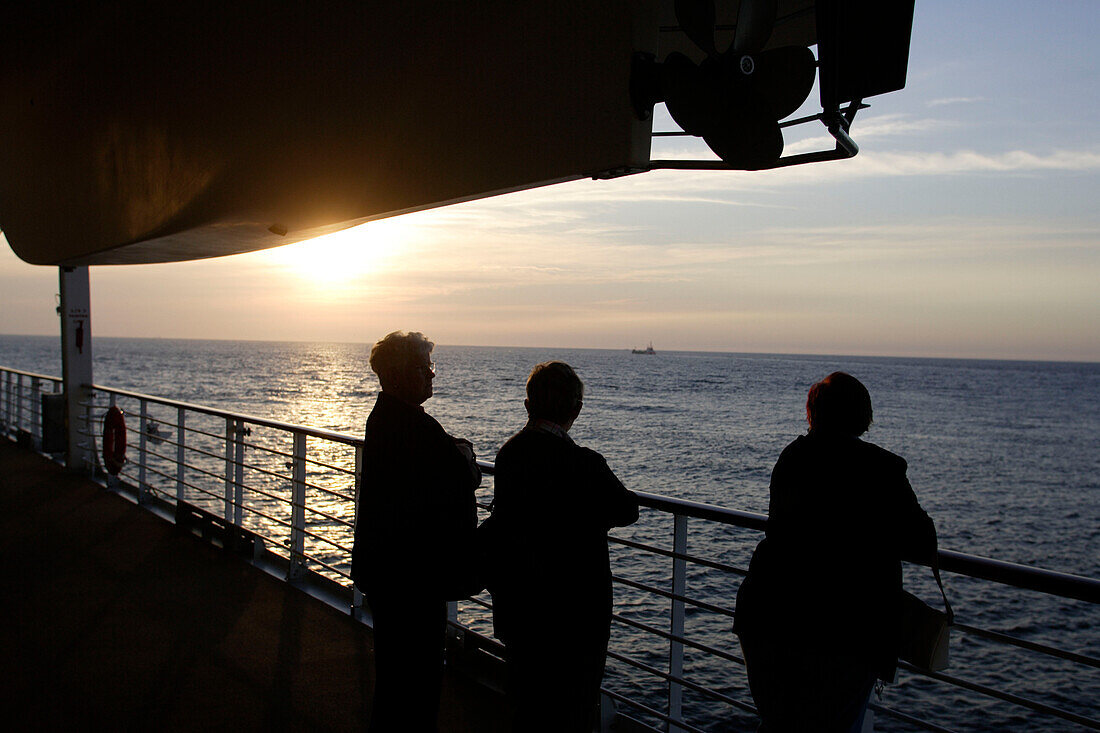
x,y
345,256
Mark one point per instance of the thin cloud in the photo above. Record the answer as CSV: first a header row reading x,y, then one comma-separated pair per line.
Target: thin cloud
x,y
955,100
961,162
969,161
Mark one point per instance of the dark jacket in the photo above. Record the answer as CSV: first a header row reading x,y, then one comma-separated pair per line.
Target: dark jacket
x,y
417,514
547,539
827,575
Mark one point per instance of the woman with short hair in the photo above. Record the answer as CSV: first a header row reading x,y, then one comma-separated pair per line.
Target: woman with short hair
x,y
817,613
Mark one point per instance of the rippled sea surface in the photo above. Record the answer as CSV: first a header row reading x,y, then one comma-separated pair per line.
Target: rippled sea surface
x,y
1003,455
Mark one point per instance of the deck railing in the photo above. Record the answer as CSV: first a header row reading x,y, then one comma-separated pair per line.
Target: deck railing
x,y
290,489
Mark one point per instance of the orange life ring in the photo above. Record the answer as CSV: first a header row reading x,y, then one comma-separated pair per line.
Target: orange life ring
x,y
114,441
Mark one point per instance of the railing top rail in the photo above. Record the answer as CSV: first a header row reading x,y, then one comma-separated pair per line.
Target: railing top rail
x,y
1066,585
253,419
670,504
25,373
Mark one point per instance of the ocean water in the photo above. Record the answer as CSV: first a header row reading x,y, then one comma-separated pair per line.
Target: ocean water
x,y
1003,455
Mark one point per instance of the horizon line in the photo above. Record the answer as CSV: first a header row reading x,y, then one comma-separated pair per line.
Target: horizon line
x,y
594,348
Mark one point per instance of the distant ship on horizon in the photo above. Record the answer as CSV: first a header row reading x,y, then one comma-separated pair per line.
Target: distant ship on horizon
x,y
646,350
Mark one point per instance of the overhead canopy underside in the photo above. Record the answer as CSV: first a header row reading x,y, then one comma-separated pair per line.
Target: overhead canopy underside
x,y
137,132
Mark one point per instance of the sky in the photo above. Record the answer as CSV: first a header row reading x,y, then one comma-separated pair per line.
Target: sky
x,y
968,226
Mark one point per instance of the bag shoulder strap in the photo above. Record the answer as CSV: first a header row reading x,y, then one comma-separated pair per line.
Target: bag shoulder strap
x,y
939,582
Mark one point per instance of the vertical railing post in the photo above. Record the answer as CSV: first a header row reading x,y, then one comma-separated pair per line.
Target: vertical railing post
x,y
9,377
181,435
113,480
298,510
143,427
91,455
676,648
18,403
36,412
358,483
356,594
230,435
7,401
238,474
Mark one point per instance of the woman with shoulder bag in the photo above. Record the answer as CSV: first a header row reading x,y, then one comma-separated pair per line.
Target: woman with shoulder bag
x,y
817,614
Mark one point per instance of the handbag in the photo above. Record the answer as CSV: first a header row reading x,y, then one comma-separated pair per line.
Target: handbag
x,y
924,632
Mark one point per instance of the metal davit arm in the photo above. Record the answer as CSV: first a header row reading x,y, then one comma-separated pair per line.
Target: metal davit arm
x,y
837,122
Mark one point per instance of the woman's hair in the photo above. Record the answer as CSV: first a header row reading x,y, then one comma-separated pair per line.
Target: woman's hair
x,y
839,403
554,391
397,351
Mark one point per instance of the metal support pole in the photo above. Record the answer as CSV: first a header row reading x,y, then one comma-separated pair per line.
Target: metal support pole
x,y
180,437
76,364
143,426
676,648
298,511
230,434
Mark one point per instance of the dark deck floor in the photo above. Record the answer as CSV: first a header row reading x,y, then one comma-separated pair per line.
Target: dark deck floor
x,y
113,617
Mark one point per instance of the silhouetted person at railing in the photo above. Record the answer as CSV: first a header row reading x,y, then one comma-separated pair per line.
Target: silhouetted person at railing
x,y
817,614
414,537
547,564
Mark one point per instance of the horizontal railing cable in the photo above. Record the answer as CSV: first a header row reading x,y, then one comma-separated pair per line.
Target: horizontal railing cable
x,y
267,449
331,568
651,712
327,490
917,722
674,637
154,471
338,521
1005,696
264,471
339,469
702,689
326,540
672,596
694,559
1030,645
480,601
